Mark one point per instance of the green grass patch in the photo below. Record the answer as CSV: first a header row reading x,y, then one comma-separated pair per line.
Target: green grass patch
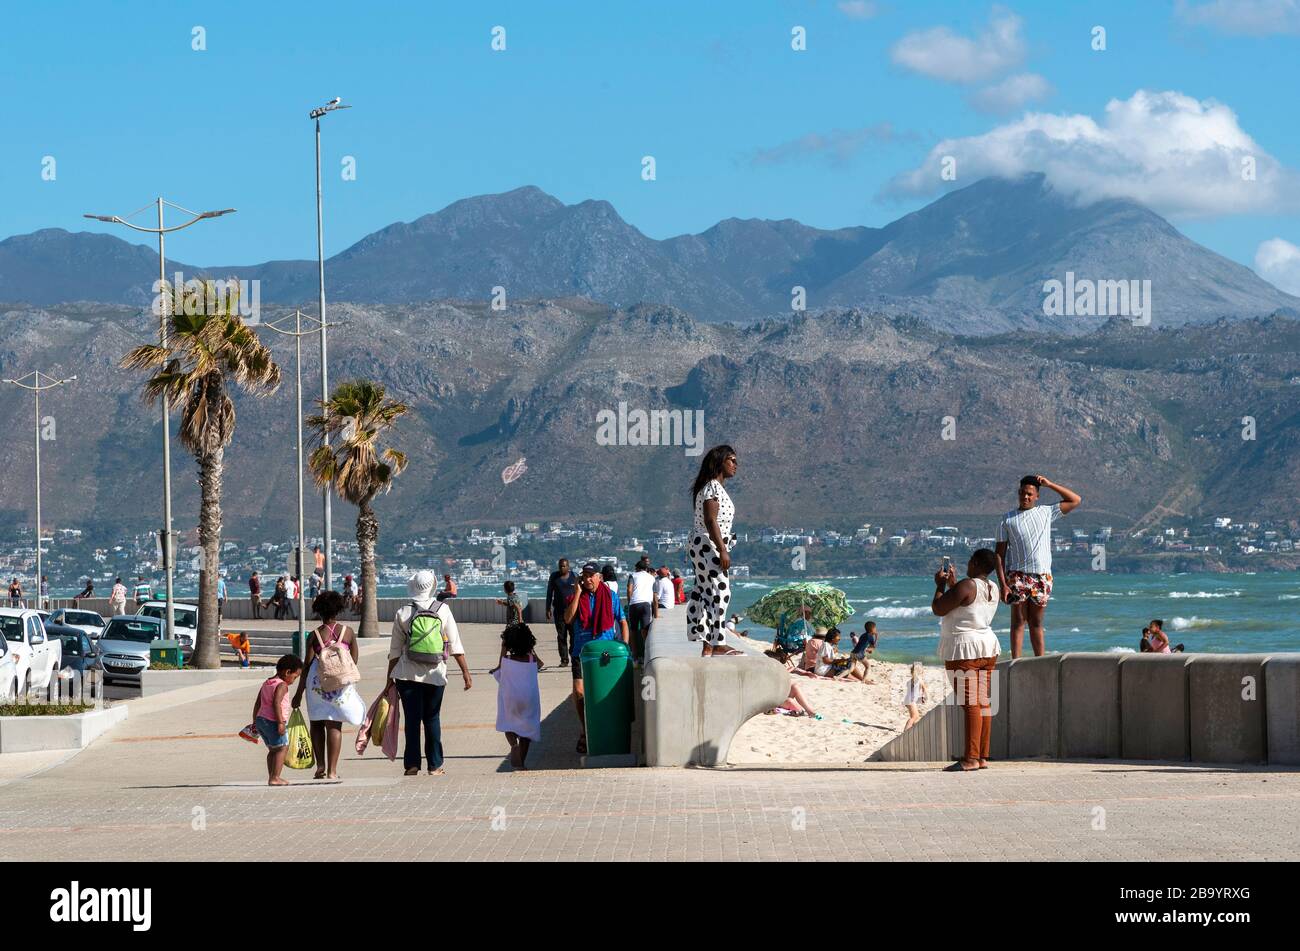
x,y
159,665
43,709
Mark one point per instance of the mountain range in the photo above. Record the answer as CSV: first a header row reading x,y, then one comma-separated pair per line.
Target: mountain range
x,y
838,417
972,262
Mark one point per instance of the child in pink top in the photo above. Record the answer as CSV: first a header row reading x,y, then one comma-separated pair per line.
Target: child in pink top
x,y
271,716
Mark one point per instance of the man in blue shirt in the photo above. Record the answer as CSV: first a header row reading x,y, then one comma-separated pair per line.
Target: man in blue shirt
x,y
594,613
221,596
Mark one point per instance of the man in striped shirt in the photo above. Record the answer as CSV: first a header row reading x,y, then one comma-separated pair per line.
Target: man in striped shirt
x,y
1024,550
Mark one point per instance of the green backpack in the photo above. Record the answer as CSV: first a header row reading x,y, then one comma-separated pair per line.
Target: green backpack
x,y
425,643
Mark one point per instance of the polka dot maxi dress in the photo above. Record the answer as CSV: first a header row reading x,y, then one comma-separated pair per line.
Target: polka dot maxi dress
x,y
706,610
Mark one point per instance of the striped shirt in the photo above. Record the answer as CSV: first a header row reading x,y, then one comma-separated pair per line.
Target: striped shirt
x,y
1028,534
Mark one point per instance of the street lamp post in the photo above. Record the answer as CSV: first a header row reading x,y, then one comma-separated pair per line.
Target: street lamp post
x,y
36,387
161,231
298,333
316,115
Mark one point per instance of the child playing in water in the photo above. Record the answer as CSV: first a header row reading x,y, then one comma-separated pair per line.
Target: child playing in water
x,y
519,700
914,695
271,716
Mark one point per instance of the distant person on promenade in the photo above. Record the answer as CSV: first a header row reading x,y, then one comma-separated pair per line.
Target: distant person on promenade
x,y
350,593
709,549
593,613
15,593
642,606
87,592
294,590
519,698
448,588
319,556
1024,556
1160,640
221,597
424,634
514,603
559,591
143,591
328,710
45,593
664,593
313,585
117,599
679,588
255,595
279,596
968,647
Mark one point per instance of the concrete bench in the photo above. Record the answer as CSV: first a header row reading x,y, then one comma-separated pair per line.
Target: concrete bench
x,y
692,706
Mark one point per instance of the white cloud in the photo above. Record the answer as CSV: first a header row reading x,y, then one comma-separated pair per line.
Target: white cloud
x,y
1278,262
1011,94
1171,152
859,9
1251,17
942,54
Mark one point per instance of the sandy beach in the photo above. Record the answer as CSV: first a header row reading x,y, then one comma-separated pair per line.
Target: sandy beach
x,y
857,718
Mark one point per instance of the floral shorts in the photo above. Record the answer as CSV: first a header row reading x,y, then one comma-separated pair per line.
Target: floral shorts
x,y
1026,587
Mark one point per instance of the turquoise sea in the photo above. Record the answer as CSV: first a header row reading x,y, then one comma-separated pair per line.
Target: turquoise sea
x,y
1222,613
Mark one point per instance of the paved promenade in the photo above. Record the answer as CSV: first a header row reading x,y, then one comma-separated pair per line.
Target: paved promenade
x,y
173,782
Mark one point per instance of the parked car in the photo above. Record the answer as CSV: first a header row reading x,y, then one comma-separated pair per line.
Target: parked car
x,y
39,657
185,621
8,671
79,653
124,647
91,623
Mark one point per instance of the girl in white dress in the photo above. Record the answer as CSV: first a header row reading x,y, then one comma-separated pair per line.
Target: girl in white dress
x,y
328,710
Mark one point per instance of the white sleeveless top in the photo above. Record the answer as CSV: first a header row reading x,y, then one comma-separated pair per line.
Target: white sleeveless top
x,y
965,632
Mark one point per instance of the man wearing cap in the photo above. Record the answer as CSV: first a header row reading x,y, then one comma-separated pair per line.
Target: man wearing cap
x,y
642,606
421,685
593,614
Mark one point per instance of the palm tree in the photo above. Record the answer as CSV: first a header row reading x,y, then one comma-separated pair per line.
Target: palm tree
x,y
359,412
204,355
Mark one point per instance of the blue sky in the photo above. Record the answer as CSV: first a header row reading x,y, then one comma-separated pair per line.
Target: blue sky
x,y
841,133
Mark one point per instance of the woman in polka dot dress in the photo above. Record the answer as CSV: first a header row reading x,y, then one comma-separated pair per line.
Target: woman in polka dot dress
x,y
711,540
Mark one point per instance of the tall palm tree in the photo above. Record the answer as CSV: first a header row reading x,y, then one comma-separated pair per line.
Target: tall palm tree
x,y
359,412
205,354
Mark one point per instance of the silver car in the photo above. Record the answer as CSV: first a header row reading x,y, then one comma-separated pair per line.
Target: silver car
x,y
124,647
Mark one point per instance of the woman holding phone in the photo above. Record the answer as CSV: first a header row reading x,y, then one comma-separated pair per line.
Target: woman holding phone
x,y
968,647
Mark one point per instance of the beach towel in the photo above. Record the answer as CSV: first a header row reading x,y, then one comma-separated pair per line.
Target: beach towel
x,y
363,735
519,700
394,725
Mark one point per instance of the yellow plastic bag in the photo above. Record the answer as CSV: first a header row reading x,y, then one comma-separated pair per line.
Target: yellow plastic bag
x,y
378,724
300,755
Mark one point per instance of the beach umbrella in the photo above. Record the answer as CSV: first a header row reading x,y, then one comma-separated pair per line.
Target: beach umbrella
x,y
829,604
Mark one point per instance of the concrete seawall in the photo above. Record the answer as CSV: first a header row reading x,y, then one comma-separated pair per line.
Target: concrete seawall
x,y
467,610
1204,708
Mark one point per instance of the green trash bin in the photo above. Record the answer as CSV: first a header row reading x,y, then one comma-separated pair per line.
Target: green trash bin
x,y
607,685
166,652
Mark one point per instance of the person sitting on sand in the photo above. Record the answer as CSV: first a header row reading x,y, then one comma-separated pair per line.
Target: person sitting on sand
x,y
1160,640
795,705
831,663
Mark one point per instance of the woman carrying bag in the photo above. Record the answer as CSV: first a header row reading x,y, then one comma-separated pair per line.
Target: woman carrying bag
x,y
330,684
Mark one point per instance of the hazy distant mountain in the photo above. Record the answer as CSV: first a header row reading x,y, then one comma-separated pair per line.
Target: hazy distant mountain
x,y
974,261
838,417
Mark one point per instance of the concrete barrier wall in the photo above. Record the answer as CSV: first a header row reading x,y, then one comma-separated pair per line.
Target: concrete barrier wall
x,y
1090,707
1212,708
1282,708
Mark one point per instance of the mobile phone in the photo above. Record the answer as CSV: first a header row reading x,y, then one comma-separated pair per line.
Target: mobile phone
x,y
946,562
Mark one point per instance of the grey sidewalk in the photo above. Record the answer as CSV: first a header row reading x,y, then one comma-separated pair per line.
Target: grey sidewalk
x,y
174,782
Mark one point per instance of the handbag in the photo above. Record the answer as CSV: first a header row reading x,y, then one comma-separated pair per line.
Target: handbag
x,y
337,668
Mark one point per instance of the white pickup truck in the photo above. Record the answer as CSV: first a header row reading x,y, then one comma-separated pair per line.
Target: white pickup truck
x,y
37,657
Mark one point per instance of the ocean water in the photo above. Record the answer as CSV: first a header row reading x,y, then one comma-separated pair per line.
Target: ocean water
x,y
1097,611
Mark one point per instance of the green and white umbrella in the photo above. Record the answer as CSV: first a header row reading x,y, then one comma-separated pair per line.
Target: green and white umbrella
x,y
829,604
